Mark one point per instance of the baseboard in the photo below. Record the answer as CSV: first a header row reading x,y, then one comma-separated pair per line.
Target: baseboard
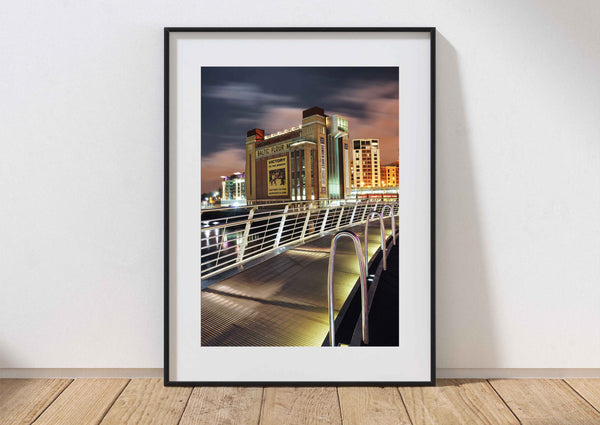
x,y
158,373
81,373
518,373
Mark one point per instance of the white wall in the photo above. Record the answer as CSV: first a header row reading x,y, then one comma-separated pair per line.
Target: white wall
x,y
518,175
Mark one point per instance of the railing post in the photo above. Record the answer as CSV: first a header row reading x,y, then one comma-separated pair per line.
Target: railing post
x,y
393,221
306,221
280,231
363,286
353,212
382,231
325,220
365,211
244,243
340,218
221,246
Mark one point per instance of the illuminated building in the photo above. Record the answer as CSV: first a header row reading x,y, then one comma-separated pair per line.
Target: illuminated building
x,y
390,175
233,189
306,162
338,163
365,163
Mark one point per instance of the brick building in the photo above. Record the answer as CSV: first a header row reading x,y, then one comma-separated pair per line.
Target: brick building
x,y
390,175
307,162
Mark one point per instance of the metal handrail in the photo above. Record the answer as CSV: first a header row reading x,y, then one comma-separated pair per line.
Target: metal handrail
x,y
267,203
363,286
228,242
382,231
393,221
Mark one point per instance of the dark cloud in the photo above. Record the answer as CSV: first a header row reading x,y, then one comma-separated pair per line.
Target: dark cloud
x,y
246,94
236,99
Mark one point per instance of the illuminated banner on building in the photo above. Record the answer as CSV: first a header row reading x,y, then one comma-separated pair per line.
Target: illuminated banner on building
x,y
346,170
277,172
270,150
323,168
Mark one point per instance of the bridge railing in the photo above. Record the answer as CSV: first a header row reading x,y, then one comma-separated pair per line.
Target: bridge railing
x,y
232,237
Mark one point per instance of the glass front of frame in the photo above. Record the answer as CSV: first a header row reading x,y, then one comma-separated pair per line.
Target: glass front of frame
x,y
299,237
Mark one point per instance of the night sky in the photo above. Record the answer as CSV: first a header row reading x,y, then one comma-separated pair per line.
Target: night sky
x,y
237,99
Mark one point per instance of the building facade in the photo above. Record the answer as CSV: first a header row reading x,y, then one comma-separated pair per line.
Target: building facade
x,y
233,188
306,162
390,175
366,163
338,164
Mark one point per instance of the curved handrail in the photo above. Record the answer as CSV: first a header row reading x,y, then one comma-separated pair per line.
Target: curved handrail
x,y
363,285
382,231
393,221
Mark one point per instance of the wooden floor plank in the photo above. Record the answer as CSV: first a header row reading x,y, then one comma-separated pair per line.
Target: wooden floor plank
x,y
22,400
296,406
223,406
588,388
456,401
372,405
545,401
84,402
148,402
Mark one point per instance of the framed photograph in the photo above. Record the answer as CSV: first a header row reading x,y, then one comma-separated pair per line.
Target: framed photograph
x,y
299,206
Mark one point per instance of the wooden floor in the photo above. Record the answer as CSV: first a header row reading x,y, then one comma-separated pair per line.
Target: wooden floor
x,y
146,401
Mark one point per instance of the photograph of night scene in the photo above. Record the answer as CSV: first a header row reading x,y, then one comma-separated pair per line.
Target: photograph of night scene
x,y
300,200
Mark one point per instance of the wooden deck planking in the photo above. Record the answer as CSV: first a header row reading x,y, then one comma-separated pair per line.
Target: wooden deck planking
x,y
587,388
148,402
23,400
454,401
545,401
84,402
300,406
223,406
372,405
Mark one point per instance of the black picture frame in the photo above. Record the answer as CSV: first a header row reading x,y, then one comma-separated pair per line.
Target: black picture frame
x,y
171,30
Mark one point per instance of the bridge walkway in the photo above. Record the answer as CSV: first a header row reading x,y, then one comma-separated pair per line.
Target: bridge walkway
x,y
283,301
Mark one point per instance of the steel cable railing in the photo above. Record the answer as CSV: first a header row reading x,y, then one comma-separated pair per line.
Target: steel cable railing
x,y
231,237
